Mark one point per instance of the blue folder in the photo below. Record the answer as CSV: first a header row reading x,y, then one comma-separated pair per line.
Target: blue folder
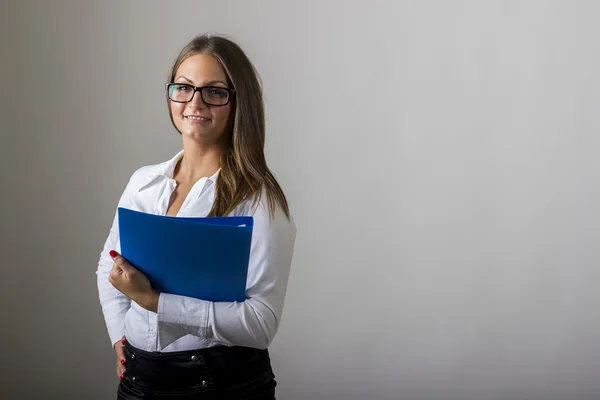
x,y
205,257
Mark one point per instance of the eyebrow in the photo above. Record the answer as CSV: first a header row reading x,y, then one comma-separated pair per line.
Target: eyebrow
x,y
207,84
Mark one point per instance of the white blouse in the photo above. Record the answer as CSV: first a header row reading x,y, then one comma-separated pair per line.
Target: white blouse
x,y
185,323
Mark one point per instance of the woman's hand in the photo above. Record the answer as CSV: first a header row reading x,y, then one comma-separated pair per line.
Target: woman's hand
x,y
132,283
119,349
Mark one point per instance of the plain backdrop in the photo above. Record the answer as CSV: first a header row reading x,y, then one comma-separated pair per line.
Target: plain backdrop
x,y
440,158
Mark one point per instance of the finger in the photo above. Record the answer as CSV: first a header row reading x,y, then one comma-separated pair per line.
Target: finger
x,y
119,349
121,372
114,277
121,357
116,269
121,369
117,266
117,258
120,261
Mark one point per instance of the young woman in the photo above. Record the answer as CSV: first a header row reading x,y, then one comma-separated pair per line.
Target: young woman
x,y
170,346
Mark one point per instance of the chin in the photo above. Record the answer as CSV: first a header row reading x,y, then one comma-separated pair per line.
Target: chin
x,y
194,130
193,134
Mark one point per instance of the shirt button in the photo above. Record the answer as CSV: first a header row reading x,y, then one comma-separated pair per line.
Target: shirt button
x,y
204,383
133,356
194,358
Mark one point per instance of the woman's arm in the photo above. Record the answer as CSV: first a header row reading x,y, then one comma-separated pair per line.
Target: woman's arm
x,y
252,323
114,303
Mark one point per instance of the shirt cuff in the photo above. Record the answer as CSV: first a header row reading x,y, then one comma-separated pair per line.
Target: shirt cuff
x,y
178,316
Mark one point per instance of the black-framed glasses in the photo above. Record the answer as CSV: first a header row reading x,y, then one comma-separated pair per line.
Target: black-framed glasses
x,y
211,95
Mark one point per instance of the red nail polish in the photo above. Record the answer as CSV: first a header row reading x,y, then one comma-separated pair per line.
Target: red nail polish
x,y
122,362
123,341
121,377
112,253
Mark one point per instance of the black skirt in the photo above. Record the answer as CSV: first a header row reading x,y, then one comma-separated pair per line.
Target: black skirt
x,y
233,373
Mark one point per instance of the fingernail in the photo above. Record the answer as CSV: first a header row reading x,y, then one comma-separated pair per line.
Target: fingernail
x,y
122,362
112,253
123,341
121,377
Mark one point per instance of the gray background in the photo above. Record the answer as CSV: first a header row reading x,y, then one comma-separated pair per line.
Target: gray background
x,y
440,158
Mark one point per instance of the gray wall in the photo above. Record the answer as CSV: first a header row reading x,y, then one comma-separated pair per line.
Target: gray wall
x,y
441,160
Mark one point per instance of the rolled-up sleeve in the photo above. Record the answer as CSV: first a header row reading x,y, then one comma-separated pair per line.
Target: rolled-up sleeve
x,y
254,322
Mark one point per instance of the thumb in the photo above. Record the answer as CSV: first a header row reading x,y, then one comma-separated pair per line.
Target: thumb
x,y
119,260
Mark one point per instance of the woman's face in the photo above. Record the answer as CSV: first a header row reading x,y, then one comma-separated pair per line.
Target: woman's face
x,y
195,119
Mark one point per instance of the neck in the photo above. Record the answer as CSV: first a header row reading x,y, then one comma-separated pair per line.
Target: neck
x,y
199,161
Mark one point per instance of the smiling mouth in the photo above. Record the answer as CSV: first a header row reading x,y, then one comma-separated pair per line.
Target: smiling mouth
x,y
196,118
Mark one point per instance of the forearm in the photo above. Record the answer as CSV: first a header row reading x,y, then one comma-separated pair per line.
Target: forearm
x,y
114,303
252,323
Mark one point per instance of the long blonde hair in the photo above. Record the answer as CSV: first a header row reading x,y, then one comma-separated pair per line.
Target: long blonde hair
x,y
244,171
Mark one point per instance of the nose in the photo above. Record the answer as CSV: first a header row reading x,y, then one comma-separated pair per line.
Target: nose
x,y
197,99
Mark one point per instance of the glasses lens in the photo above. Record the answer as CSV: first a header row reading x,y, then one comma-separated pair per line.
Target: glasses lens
x,y
215,96
179,92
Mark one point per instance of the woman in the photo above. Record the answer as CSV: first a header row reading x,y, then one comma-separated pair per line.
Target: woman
x,y
171,346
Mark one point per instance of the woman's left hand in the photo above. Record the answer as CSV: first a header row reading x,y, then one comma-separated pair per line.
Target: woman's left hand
x,y
132,283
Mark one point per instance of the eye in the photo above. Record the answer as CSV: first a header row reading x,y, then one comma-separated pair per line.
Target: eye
x,y
217,93
182,88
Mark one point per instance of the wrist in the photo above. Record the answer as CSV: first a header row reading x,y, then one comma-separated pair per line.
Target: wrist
x,y
150,301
